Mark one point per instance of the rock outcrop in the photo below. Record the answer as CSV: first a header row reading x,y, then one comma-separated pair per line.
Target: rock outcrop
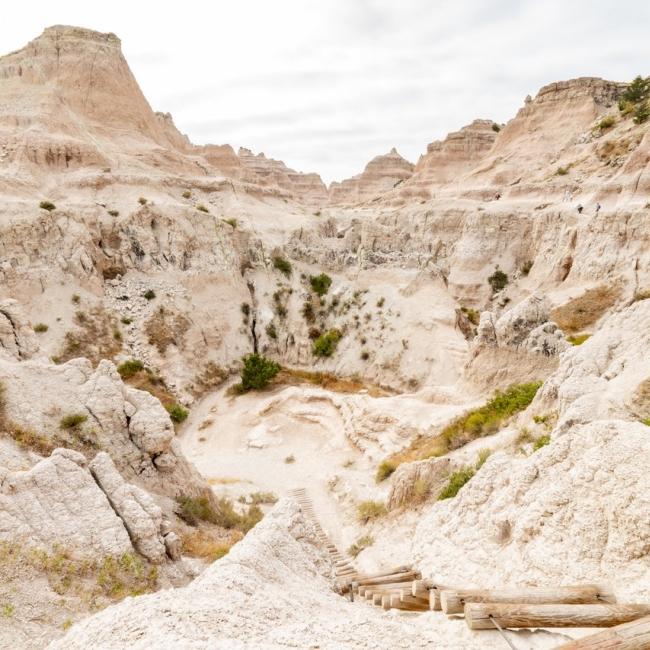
x,y
140,515
412,482
513,521
129,424
448,161
381,175
17,338
57,502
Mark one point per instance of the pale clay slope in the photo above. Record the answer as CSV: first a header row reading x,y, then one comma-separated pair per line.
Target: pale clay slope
x,y
271,591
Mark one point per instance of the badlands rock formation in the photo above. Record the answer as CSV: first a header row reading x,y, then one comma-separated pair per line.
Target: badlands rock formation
x,y
398,302
381,174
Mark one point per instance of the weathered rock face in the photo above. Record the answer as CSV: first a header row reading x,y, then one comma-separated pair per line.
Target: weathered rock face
x,y
17,338
548,519
527,326
604,377
449,160
381,175
131,425
47,112
58,502
513,521
141,517
258,169
413,481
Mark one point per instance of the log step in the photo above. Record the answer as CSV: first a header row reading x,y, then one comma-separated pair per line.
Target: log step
x,y
634,635
453,600
482,616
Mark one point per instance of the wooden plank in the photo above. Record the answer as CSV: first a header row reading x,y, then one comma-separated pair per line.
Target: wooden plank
x,y
453,601
628,636
434,599
407,598
395,577
396,602
404,568
392,588
420,588
481,616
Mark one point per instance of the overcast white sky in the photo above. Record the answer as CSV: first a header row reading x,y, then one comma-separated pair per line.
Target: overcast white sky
x,y
325,85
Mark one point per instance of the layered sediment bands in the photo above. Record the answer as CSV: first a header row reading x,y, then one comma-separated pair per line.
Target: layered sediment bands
x,y
381,175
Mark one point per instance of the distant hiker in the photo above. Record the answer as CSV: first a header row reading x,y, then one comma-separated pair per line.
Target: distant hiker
x,y
497,196
580,208
597,208
567,196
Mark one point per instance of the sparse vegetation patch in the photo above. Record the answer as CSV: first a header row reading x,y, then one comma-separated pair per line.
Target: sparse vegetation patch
x,y
369,510
282,265
325,345
320,284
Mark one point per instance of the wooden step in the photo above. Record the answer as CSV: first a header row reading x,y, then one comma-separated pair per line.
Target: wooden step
x,y
482,616
453,601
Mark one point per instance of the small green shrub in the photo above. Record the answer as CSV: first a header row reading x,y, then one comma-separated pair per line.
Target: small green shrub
x,y
40,328
646,422
113,213
380,302
525,269
245,309
542,441
483,455
369,510
72,421
456,481
7,610
201,208
607,122
578,339
282,265
540,419
258,498
290,459
75,298
488,418
117,335
47,205
360,544
142,201
472,315
130,368
642,113
257,372
320,284
637,91
384,470
271,332
231,222
498,280
186,194
149,294
325,345
177,413
365,355
561,171
308,312
495,127
125,320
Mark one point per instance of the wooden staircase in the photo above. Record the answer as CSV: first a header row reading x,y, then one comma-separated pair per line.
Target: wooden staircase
x,y
403,588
